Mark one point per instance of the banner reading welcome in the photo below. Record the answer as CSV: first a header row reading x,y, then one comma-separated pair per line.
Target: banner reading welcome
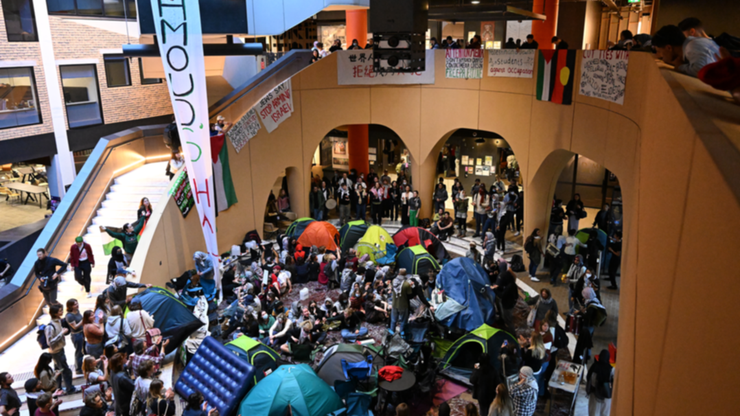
x,y
180,40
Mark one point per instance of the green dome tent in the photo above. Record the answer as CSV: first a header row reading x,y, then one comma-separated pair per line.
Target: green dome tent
x,y
416,260
263,358
374,243
296,229
351,233
461,356
296,386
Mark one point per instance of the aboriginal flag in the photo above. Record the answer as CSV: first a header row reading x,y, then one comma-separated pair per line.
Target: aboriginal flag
x,y
555,72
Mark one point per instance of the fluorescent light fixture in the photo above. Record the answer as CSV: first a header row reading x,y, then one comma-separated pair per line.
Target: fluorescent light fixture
x,y
475,2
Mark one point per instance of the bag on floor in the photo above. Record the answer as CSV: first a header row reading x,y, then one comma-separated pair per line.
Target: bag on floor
x,y
517,264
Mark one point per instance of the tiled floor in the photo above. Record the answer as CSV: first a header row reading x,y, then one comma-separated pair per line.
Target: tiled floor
x,y
15,214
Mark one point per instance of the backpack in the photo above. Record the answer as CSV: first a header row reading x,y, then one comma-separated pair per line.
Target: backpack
x,y
561,338
732,43
425,223
600,316
41,337
517,264
528,246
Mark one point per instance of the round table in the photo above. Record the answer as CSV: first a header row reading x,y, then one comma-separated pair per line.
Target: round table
x,y
407,380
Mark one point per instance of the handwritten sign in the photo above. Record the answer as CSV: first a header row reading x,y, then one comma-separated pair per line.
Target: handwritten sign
x,y
276,106
182,194
244,130
355,67
510,63
464,63
604,75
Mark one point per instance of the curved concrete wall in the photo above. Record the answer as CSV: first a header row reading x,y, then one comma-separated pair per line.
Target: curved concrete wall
x,y
675,200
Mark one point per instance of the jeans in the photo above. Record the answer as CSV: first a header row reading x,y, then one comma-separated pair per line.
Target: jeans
x,y
82,274
541,378
318,214
489,224
78,340
414,220
533,267
60,362
96,350
361,211
343,213
376,211
50,296
480,219
398,316
438,205
350,336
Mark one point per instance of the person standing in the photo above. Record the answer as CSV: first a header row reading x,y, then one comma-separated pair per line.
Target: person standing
x,y
440,196
503,224
48,275
481,202
402,291
328,193
129,237
604,219
94,334
361,201
344,203
599,386
530,43
414,208
82,260
145,209
6,272
615,248
406,195
574,210
10,403
533,248
55,334
74,321
376,203
123,386
556,218
461,213
316,203
502,404
524,393
484,379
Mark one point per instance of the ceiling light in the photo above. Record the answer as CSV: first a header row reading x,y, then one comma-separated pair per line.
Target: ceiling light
x,y
475,2
480,140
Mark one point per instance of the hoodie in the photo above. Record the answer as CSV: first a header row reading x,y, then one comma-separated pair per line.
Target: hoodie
x,y
116,292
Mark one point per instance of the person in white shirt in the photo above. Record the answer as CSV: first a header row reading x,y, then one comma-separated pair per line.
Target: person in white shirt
x,y
570,246
687,54
139,320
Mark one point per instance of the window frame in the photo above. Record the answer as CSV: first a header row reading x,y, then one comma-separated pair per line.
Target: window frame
x,y
33,16
116,57
141,76
100,97
36,95
102,8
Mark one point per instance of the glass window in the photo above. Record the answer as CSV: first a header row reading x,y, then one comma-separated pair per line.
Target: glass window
x,y
81,95
19,20
117,71
18,99
107,8
145,81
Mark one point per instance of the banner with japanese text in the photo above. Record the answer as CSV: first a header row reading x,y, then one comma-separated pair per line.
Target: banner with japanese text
x,y
464,63
604,75
276,106
511,63
355,67
180,40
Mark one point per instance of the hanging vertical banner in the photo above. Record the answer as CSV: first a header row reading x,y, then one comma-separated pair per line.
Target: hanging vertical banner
x,y
180,39
604,75
555,71
464,63
276,106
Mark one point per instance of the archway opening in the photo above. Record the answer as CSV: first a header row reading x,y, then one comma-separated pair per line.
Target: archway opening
x,y
279,212
389,166
586,221
477,182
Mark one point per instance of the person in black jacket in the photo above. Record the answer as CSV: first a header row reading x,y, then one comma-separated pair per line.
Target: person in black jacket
x,y
350,324
485,378
574,210
123,386
48,275
556,218
96,405
507,292
604,219
599,385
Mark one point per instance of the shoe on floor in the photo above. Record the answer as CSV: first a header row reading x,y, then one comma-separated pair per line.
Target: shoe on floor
x,y
613,287
534,279
89,295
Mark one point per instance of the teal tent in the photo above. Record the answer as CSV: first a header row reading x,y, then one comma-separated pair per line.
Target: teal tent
x,y
296,386
351,233
416,260
264,359
296,229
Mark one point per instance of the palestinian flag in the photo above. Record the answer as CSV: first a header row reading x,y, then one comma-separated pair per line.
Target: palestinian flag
x,y
223,184
555,72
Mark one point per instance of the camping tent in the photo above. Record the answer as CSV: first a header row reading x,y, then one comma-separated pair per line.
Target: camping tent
x,y
170,315
294,385
416,260
296,229
351,233
413,236
374,243
462,356
470,300
320,233
330,369
263,358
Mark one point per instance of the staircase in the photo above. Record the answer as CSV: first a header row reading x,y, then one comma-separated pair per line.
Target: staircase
x,y
119,207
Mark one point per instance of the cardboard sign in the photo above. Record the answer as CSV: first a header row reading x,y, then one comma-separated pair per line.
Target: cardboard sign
x,y
604,75
244,130
276,106
464,63
510,63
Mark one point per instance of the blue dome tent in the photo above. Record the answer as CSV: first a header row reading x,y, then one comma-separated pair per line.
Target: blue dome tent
x,y
470,300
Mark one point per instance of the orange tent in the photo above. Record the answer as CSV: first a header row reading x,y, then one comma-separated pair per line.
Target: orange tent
x,y
320,233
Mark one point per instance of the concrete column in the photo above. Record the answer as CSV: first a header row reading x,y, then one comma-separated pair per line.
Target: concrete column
x,y
356,26
544,31
358,145
63,163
